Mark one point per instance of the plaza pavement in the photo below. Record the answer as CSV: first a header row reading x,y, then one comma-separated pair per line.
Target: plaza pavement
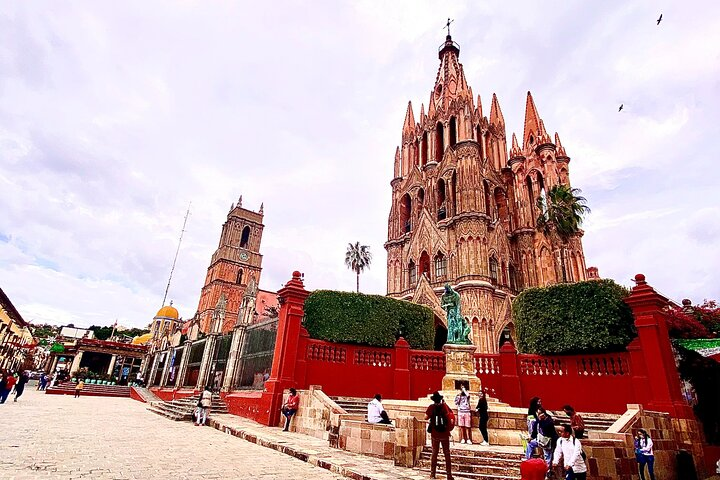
x,y
60,437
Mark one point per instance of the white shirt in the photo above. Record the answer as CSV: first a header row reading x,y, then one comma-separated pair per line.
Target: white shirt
x,y
375,408
569,450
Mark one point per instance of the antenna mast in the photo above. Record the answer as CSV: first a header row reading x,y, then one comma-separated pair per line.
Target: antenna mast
x,y
182,232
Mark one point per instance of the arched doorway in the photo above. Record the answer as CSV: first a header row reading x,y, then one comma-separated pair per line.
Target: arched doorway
x,y
425,265
440,335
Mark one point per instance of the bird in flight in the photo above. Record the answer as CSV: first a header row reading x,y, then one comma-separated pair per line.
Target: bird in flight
x,y
659,19
621,107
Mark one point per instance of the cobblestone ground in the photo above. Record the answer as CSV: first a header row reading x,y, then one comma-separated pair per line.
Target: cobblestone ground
x,y
57,436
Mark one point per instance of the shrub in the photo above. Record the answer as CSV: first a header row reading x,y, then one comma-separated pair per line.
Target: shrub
x,y
584,317
367,319
684,325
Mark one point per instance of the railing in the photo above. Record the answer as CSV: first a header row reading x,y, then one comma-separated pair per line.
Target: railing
x,y
432,361
487,364
535,365
373,358
324,352
611,364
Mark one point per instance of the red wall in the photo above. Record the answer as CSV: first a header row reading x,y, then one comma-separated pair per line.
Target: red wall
x,y
135,396
168,394
247,404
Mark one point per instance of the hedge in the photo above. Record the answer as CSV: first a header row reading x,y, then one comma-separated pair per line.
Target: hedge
x,y
374,320
584,317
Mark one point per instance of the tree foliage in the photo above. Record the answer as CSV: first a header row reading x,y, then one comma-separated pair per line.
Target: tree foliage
x,y
367,319
704,375
583,317
358,258
562,211
682,324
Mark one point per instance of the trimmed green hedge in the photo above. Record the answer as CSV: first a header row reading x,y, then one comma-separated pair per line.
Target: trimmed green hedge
x,y
584,317
367,319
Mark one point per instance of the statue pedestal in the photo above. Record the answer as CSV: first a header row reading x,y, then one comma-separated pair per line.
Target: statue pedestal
x,y
459,369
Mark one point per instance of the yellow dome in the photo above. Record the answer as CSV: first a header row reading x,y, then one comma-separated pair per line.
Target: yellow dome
x,y
142,339
168,311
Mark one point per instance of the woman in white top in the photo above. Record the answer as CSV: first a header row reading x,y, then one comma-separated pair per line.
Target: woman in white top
x,y
569,449
644,454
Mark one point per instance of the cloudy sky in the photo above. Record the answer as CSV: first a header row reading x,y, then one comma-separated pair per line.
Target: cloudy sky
x,y
115,116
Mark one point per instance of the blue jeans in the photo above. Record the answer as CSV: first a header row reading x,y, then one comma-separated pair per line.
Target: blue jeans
x,y
4,394
532,445
648,460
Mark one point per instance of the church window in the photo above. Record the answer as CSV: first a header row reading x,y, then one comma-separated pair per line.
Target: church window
x,y
501,207
421,201
425,265
486,194
513,279
413,273
416,152
531,197
454,193
503,274
239,276
532,139
440,266
439,142
405,212
564,177
245,237
493,270
478,134
424,149
453,131
441,207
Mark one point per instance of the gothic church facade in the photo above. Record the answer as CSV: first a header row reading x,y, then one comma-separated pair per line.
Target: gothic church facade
x,y
464,211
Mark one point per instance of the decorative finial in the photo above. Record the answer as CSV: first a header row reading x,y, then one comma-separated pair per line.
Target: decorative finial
x,y
447,25
239,204
262,207
232,206
171,302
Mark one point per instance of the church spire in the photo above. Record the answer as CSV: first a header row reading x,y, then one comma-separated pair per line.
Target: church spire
x,y
515,151
409,125
560,149
532,122
496,116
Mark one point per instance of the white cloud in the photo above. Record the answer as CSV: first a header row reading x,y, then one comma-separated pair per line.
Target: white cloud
x,y
113,117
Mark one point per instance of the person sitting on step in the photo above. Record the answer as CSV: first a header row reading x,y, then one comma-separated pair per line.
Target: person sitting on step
x,y
376,411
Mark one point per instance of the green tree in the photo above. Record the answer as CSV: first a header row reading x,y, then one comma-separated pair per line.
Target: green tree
x,y
561,213
358,258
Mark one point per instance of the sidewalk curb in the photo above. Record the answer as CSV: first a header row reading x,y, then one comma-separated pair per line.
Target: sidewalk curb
x,y
309,456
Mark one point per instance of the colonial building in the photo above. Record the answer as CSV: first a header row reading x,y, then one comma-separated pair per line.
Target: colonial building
x,y
16,340
235,264
464,211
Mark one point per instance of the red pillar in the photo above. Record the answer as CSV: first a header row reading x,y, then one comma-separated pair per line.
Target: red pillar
x,y
401,375
662,375
284,368
510,377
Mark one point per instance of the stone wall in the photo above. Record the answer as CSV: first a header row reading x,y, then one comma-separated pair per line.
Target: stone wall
x,y
318,415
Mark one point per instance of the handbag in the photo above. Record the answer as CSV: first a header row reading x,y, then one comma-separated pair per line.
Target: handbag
x,y
543,441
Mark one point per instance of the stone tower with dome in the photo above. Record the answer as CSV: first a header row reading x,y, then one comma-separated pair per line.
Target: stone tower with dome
x,y
464,211
236,263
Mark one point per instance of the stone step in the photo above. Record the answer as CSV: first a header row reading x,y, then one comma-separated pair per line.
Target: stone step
x,y
480,464
478,453
440,473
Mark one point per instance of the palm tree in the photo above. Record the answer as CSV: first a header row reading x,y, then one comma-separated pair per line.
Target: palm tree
x,y
358,258
562,211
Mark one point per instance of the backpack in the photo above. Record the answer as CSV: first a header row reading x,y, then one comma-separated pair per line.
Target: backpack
x,y
582,451
439,421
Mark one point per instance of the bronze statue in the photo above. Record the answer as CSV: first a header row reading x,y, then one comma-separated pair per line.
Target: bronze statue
x,y
458,329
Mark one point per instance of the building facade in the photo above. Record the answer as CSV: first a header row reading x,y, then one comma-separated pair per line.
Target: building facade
x,y
15,336
464,210
236,263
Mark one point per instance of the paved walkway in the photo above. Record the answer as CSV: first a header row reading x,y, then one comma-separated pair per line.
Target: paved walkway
x,y
59,437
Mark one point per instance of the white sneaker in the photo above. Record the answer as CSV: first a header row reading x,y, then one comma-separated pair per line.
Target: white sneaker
x,y
462,441
469,442
485,444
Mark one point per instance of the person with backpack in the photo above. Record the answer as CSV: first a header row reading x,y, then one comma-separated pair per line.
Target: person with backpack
x,y
441,422
569,450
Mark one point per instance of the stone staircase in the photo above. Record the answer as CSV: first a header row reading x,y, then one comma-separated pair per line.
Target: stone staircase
x,y
181,409
353,405
594,422
68,388
480,464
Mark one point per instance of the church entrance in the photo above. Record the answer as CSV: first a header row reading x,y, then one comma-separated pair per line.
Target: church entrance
x,y
440,335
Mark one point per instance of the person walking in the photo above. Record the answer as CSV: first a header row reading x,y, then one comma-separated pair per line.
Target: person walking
x,y
79,387
290,408
644,454
3,386
569,450
482,410
205,404
20,385
576,421
9,385
441,422
462,401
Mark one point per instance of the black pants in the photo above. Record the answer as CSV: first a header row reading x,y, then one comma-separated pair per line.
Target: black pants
x,y
483,428
19,389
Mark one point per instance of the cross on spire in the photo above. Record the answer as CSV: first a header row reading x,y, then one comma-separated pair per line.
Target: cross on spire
x,y
447,25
